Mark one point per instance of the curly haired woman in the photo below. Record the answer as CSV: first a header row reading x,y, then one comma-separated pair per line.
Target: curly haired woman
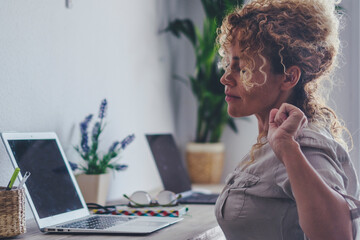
x,y
295,182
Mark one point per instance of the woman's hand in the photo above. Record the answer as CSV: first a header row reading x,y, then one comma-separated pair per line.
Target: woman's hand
x,y
284,125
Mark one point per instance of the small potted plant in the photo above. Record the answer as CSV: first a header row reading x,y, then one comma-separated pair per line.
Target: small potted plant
x,y
205,154
94,167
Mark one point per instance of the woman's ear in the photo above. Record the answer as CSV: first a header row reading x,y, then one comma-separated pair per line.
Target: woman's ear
x,y
292,77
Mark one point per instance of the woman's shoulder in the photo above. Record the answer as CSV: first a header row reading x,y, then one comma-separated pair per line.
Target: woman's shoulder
x,y
319,138
313,140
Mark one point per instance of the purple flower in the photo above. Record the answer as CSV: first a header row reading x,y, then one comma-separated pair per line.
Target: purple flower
x,y
120,167
96,131
85,143
73,166
84,134
126,141
84,124
102,109
113,146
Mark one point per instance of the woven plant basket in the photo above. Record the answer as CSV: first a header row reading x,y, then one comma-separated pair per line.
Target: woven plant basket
x,y
205,162
12,212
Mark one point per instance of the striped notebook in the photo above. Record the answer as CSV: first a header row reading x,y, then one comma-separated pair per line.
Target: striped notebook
x,y
175,211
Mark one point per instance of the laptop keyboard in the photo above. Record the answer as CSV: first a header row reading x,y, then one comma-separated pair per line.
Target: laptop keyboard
x,y
97,222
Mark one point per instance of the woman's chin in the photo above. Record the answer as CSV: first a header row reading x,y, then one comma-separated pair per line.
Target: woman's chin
x,y
234,114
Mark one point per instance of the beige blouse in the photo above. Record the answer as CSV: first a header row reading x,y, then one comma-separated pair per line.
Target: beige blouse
x,y
258,203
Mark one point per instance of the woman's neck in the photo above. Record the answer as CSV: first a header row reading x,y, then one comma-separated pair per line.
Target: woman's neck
x,y
263,122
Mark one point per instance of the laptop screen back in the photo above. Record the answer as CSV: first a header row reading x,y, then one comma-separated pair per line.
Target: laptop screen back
x,y
50,185
168,160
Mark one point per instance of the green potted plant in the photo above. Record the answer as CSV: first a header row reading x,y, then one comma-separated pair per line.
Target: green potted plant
x,y
94,178
205,155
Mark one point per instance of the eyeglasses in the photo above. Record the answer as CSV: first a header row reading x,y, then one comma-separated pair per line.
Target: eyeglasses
x,y
143,199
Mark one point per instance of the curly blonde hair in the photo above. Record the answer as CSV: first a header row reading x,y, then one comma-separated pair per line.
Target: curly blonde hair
x,y
303,33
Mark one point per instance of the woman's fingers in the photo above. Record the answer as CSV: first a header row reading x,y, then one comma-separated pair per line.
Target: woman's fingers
x,y
281,115
288,117
272,115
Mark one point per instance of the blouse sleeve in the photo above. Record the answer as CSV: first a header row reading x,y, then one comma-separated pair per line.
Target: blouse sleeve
x,y
336,171
328,169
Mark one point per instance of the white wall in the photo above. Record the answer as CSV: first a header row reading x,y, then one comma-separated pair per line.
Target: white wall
x,y
57,64
345,98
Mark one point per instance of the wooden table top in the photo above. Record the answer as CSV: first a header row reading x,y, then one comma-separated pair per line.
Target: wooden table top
x,y
199,224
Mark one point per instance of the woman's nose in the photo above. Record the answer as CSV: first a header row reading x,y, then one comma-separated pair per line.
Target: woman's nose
x,y
227,79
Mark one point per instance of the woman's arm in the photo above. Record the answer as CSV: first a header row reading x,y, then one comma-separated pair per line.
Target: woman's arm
x,y
323,213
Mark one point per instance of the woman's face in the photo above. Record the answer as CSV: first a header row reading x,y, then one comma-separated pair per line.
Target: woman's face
x,y
258,99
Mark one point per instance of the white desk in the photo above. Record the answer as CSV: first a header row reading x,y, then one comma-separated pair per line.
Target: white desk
x,y
199,224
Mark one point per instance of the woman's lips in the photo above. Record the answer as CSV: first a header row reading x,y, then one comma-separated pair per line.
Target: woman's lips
x,y
230,98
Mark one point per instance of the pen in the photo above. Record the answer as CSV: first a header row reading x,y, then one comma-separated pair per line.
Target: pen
x,y
25,177
13,178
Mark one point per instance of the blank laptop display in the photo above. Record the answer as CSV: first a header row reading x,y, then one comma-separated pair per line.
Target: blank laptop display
x,y
172,170
53,193
50,183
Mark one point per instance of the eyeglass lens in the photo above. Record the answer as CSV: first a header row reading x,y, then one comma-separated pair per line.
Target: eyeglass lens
x,y
140,197
166,197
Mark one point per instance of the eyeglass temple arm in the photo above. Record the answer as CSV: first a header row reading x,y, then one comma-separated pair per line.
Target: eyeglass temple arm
x,y
138,204
177,197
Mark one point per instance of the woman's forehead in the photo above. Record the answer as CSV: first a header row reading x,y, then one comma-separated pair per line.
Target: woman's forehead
x,y
247,59
235,52
236,47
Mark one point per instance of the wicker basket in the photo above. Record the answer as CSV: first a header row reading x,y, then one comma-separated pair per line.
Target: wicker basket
x,y
205,162
12,212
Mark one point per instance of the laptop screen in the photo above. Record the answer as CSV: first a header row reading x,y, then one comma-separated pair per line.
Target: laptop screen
x,y
169,163
50,184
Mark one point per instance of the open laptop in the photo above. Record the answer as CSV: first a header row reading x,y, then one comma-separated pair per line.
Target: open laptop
x,y
53,193
172,170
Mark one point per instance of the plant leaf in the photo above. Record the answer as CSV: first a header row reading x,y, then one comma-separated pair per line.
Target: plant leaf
x,y
185,27
232,124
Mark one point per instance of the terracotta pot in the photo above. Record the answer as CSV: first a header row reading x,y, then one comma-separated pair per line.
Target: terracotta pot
x,y
205,161
94,187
